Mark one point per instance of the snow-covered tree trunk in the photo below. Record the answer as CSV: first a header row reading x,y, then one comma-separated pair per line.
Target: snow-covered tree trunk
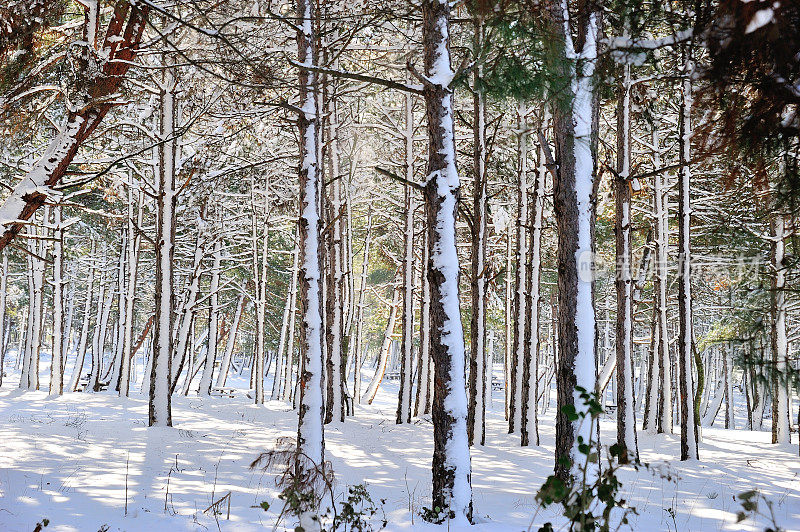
x,y
99,339
288,369
113,374
425,369
530,419
225,363
358,344
58,353
30,365
334,279
383,354
213,320
451,458
574,199
661,233
134,240
727,373
260,274
626,418
520,280
279,383
476,418
80,355
310,428
160,389
407,339
509,318
780,396
186,317
689,434
4,333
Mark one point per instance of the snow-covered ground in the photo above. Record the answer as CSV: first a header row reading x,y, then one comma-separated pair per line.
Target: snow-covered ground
x,y
69,459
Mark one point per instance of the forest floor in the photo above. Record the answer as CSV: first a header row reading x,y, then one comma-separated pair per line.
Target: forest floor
x,y
81,459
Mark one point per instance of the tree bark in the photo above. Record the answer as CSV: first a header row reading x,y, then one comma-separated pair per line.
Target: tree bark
x,y
451,466
574,201
160,393
476,418
688,417
626,418
310,430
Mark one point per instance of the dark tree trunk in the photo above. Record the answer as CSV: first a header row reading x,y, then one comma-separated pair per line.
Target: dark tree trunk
x,y
479,364
575,126
451,469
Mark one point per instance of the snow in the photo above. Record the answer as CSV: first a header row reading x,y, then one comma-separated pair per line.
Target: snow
x,y
585,363
66,459
761,19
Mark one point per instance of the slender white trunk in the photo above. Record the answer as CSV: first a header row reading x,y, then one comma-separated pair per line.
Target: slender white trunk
x,y
114,371
780,403
509,318
160,385
58,355
520,309
626,419
531,421
130,291
688,429
279,382
383,355
288,380
426,368
357,352
225,364
187,314
4,332
80,355
213,321
101,328
407,341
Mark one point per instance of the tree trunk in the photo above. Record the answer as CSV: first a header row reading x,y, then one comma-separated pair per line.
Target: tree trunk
x,y
688,418
4,332
134,242
213,321
530,419
780,396
661,224
476,418
310,430
407,339
520,280
574,201
279,383
626,418
160,394
425,371
186,317
383,355
80,355
225,364
358,345
58,354
451,464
